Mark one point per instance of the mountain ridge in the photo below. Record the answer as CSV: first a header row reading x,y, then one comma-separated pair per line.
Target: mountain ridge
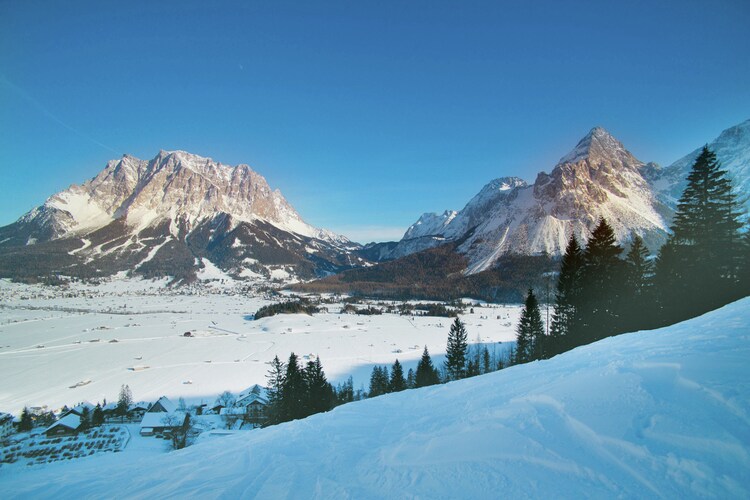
x,y
178,204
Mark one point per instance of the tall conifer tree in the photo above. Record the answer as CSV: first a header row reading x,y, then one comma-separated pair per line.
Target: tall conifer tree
x,y
397,382
637,296
698,268
275,382
455,362
600,311
530,331
319,395
567,299
426,372
293,392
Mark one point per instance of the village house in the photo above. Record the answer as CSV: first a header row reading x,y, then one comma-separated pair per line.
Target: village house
x,y
6,425
254,403
78,410
161,418
68,425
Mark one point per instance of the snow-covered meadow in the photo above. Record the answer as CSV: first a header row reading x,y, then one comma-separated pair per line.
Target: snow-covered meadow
x,y
61,346
657,414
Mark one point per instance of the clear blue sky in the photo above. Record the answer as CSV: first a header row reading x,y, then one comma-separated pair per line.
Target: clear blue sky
x,y
364,114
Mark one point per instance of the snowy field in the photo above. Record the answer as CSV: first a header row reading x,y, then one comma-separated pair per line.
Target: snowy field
x,y
659,414
62,346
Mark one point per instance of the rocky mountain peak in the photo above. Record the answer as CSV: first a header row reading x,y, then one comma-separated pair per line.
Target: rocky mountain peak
x,y
599,146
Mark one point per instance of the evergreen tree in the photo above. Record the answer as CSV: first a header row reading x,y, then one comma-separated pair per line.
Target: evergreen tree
x,y
397,382
293,392
345,392
379,381
319,391
97,417
85,419
697,270
637,296
600,309
26,423
567,300
411,379
275,381
426,373
455,362
486,361
124,400
530,331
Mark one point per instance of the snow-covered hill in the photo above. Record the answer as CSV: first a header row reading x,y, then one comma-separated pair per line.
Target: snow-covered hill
x,y
136,214
658,414
598,178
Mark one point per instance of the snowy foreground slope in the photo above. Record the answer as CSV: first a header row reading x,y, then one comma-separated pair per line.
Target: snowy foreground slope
x,y
655,414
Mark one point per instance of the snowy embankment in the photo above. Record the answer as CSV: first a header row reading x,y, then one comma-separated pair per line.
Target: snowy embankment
x,y
664,413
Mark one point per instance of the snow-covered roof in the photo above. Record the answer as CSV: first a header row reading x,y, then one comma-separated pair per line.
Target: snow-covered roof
x,y
110,406
5,416
78,410
71,421
253,394
163,404
158,419
141,405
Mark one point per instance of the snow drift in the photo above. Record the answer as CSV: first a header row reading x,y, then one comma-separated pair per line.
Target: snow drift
x,y
664,413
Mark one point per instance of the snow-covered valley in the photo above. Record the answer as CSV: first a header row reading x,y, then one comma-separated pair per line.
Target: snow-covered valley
x,y
62,346
663,413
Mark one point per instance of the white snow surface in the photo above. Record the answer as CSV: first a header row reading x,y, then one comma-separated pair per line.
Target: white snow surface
x,y
52,339
656,414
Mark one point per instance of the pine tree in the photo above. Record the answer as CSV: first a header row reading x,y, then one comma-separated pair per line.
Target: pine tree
x,y
455,362
293,392
319,392
345,392
379,381
411,379
600,309
275,381
697,269
26,423
530,331
97,417
637,294
85,419
397,382
426,372
567,300
486,361
124,400
472,368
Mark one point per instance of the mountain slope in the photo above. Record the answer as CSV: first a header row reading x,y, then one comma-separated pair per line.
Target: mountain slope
x,y
732,149
164,215
598,178
664,413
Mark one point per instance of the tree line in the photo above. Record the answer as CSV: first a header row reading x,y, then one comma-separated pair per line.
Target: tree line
x,y
704,264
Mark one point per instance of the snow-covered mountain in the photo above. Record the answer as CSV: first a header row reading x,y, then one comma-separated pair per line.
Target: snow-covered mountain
x,y
598,178
176,209
732,149
662,414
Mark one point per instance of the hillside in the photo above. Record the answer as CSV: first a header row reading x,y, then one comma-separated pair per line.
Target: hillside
x,y
437,274
664,413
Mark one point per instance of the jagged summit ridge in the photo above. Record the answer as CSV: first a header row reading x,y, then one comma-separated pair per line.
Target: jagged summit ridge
x,y
598,178
599,145
168,216
177,186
